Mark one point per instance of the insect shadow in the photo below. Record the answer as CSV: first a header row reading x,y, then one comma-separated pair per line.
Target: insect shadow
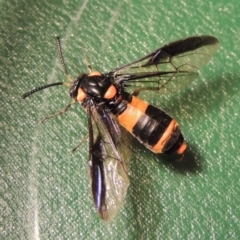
x,y
190,162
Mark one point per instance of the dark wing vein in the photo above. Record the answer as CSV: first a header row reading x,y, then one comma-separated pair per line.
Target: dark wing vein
x,y
170,67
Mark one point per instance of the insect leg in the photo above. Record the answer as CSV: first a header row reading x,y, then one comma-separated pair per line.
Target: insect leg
x,y
82,141
58,113
118,63
137,91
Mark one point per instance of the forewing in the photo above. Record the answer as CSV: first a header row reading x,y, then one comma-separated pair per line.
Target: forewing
x,y
170,67
109,158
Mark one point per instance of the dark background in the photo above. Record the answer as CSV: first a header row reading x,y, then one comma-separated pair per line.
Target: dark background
x,y
44,189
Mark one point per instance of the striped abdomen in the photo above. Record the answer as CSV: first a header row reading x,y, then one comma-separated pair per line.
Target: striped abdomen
x,y
152,127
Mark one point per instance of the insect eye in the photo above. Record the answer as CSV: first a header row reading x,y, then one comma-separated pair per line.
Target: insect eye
x,y
110,93
81,95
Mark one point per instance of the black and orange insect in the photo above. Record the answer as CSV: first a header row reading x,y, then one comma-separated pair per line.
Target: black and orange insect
x,y
109,104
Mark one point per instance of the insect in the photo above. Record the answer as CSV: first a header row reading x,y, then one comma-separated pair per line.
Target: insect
x,y
110,105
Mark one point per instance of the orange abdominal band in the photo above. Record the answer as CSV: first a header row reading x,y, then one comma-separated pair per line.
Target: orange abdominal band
x,y
165,137
129,117
139,104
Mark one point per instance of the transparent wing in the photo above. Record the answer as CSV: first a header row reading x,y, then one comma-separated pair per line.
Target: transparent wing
x,y
170,67
109,158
